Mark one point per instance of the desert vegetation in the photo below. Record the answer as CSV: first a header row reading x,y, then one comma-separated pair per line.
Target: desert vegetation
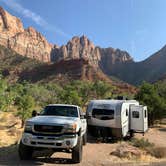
x,y
154,96
26,97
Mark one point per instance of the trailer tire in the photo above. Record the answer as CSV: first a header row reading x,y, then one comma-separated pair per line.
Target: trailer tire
x,y
131,134
93,131
77,151
25,152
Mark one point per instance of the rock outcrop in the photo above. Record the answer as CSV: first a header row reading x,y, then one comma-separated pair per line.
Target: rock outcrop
x,y
27,42
30,43
83,48
78,48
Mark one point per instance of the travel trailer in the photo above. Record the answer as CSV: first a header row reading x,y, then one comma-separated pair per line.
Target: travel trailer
x,y
116,118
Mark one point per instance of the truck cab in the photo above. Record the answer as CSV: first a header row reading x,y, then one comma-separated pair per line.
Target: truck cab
x,y
59,127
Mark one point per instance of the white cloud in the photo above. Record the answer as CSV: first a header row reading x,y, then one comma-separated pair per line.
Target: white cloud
x,y
17,7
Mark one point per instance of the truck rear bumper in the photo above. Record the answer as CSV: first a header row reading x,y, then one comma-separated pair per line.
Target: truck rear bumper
x,y
64,141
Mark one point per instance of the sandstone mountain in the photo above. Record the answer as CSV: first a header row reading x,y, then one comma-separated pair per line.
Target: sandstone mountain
x,y
109,61
151,69
28,42
17,68
82,47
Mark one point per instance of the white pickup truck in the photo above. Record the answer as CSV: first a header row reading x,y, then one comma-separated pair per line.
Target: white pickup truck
x,y
59,127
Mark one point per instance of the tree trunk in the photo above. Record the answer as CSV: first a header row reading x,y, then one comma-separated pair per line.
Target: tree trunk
x,y
22,123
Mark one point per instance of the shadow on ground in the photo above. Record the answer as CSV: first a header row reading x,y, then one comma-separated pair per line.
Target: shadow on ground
x,y
162,129
9,156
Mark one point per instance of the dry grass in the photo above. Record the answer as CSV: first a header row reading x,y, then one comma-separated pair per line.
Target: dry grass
x,y
127,151
158,152
141,143
149,148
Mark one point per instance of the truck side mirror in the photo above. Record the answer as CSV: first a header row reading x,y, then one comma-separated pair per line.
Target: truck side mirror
x,y
34,113
82,116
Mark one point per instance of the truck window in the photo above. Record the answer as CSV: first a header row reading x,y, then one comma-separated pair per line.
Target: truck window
x,y
68,111
80,112
135,114
103,114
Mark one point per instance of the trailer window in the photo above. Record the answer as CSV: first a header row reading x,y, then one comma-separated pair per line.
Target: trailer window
x,y
103,114
135,114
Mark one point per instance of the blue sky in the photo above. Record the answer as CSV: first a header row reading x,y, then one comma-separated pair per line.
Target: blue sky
x,y
137,26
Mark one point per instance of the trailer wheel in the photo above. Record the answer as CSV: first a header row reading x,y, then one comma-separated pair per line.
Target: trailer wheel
x,y
131,133
93,131
25,152
77,151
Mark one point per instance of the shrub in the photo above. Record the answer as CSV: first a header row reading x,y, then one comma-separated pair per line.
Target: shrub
x,y
149,95
141,143
158,152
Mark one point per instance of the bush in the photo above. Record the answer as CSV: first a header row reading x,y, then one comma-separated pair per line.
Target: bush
x,y
149,95
25,106
141,143
158,152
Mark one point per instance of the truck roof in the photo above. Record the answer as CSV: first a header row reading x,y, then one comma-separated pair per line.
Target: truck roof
x,y
69,105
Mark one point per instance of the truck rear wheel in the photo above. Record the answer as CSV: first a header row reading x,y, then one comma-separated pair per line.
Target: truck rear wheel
x,y
77,151
85,138
25,152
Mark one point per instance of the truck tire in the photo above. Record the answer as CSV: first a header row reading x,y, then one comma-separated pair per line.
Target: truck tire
x,y
85,138
77,151
25,152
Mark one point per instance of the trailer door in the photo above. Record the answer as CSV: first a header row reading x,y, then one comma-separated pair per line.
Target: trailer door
x,y
145,113
138,118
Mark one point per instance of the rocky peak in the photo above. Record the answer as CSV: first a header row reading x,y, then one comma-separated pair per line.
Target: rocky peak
x,y
78,48
3,18
83,48
85,42
115,55
9,23
32,31
27,42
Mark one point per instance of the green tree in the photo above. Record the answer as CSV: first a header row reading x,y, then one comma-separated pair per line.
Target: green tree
x,y
25,106
6,95
70,96
149,96
102,89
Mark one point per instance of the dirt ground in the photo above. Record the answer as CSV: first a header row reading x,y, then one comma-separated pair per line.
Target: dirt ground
x,y
156,135
94,154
